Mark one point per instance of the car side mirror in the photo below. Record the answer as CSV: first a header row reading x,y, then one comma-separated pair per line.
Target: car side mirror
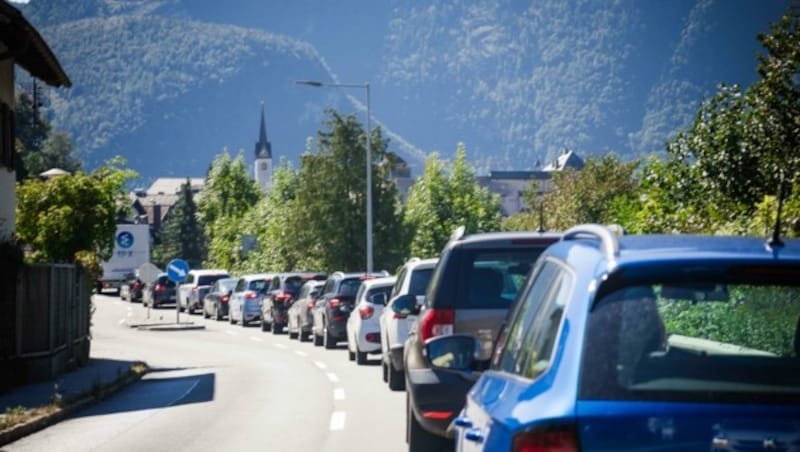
x,y
405,305
453,352
378,298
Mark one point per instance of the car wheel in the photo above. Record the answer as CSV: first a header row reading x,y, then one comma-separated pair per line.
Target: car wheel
x,y
419,439
385,372
351,356
217,316
361,357
396,378
277,328
294,335
303,336
265,326
317,340
329,341
243,321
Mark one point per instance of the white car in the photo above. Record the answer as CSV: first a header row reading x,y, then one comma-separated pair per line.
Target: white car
x,y
244,305
197,284
363,329
412,279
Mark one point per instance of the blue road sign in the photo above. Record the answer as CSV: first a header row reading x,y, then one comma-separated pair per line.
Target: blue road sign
x,y
177,270
125,239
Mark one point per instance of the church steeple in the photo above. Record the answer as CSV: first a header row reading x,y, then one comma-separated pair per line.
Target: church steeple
x,y
263,146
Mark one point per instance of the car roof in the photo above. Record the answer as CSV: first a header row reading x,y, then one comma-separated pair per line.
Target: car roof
x,y
613,252
422,263
488,239
208,271
255,276
385,281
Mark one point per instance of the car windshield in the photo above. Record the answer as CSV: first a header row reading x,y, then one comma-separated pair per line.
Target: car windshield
x,y
349,286
686,341
226,285
293,283
259,285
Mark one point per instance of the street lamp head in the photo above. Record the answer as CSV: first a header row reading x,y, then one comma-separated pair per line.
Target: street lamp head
x,y
313,83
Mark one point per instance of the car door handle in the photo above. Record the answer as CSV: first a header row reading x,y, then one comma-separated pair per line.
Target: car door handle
x,y
463,421
474,435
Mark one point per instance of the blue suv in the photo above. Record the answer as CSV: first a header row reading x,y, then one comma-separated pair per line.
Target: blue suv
x,y
669,343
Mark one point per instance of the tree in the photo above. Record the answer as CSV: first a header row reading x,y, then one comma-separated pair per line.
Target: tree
x,y
57,152
736,151
229,193
599,193
182,236
332,203
31,131
69,218
438,203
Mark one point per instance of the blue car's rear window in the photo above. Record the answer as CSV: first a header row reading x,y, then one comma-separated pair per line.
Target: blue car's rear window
x,y
687,341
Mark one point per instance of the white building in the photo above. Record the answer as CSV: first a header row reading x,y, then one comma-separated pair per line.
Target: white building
x,y
263,164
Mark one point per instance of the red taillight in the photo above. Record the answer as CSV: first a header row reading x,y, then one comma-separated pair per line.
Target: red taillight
x,y
550,439
223,298
160,288
365,312
436,322
334,302
283,297
250,295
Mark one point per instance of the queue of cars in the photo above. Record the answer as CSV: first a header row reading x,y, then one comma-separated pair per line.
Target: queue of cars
x,y
586,340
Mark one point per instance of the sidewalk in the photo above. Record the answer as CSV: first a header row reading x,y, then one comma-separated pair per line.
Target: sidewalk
x,y
74,390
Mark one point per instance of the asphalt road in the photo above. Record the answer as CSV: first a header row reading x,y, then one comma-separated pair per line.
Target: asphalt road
x,y
228,388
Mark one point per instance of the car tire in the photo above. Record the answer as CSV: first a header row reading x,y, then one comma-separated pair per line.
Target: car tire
x,y
419,439
351,356
303,336
385,372
396,378
217,316
361,357
293,335
243,322
317,340
277,328
265,326
328,340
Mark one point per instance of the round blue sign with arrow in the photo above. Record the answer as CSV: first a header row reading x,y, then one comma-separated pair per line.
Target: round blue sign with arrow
x,y
177,270
125,239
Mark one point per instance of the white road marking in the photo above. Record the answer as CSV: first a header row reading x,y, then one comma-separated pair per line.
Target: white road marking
x,y
121,321
337,420
332,377
320,364
257,339
232,333
300,353
280,346
338,394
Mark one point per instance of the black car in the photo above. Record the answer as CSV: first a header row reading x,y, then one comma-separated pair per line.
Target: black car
x,y
131,289
471,291
334,305
282,292
215,303
159,292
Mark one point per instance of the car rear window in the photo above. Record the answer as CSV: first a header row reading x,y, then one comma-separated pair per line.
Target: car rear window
x,y
259,285
691,341
484,278
349,286
227,285
293,283
207,280
165,280
419,281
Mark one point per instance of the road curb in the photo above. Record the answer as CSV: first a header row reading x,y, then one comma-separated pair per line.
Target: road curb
x,y
80,401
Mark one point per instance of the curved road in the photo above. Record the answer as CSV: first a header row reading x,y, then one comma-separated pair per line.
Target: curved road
x,y
228,388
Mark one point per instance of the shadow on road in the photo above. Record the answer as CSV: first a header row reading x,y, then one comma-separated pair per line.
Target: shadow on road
x,y
160,392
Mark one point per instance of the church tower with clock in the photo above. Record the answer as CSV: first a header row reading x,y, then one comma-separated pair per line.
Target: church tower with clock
x,y
263,163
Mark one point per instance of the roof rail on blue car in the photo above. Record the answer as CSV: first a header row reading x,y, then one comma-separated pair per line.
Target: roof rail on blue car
x,y
608,239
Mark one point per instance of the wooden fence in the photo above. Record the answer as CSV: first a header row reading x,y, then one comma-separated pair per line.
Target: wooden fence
x,y
53,314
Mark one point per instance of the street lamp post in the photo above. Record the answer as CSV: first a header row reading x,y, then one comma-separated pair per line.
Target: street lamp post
x,y
365,86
